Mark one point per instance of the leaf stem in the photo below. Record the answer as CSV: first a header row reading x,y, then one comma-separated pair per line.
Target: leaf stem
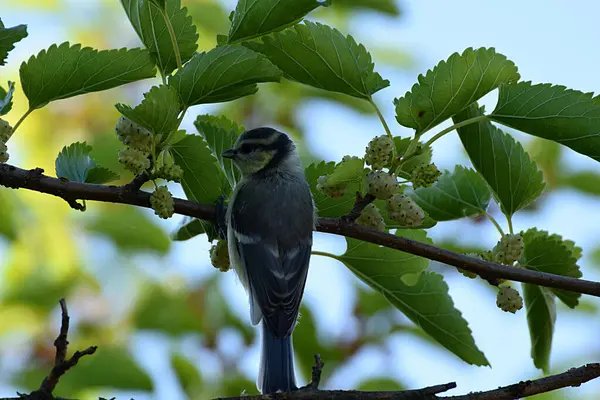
x,y
496,224
20,121
510,225
382,119
325,254
173,38
456,126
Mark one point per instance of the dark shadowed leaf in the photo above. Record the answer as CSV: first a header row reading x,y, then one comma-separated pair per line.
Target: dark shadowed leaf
x,y
380,385
192,227
385,6
541,316
254,18
326,206
8,38
423,156
320,56
187,374
6,98
66,71
149,23
566,116
452,85
8,213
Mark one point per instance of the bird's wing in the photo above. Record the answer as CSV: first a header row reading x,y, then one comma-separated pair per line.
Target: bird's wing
x,y
276,278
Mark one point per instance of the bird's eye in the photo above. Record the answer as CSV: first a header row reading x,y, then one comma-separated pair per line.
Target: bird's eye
x,y
246,148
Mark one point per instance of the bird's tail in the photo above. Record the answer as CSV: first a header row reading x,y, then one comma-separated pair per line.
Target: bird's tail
x,y
276,364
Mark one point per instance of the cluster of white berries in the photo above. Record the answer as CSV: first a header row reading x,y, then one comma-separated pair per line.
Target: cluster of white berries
x,y
219,256
379,152
5,133
334,191
403,209
381,184
508,249
170,172
509,299
162,203
425,175
370,217
139,141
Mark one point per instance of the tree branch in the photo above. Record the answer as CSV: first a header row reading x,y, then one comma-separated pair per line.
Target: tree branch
x,y
573,377
14,177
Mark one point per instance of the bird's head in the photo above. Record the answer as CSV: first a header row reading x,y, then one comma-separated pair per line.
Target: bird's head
x,y
261,149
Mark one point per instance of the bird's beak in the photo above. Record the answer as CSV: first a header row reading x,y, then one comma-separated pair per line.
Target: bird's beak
x,y
229,153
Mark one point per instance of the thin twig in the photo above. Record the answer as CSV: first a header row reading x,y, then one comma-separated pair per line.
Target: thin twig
x,y
359,205
315,381
13,177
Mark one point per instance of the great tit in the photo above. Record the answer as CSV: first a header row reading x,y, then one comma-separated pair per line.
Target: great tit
x,y
270,220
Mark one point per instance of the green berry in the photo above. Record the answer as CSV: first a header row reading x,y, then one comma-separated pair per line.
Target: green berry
x,y
403,209
370,217
509,299
162,202
378,152
6,131
132,135
219,256
3,152
134,160
335,191
381,185
425,175
170,172
508,249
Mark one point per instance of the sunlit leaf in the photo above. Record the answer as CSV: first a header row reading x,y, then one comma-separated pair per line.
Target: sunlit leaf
x,y
254,18
130,229
320,56
551,254
569,117
149,23
452,85
541,316
158,112
66,71
502,161
458,194
348,170
75,164
8,38
202,179
220,134
6,98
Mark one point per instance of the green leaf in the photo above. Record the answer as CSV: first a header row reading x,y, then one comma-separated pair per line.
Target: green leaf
x,y
421,158
192,227
224,73
8,214
428,304
74,164
452,85
462,193
505,165
220,134
130,229
254,18
320,56
6,98
383,266
202,179
584,181
350,170
8,38
541,316
551,254
566,116
380,385
326,206
66,71
158,112
150,26
384,6
166,311
188,375
159,3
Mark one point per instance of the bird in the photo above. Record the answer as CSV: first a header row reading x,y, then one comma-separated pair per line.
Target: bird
x,y
270,220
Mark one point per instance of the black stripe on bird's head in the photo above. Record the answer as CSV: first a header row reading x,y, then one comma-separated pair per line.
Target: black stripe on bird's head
x,y
260,149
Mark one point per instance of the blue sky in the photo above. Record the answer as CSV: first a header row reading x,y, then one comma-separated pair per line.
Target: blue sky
x,y
550,41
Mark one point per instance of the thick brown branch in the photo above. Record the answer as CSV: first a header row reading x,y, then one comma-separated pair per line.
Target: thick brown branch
x,y
14,177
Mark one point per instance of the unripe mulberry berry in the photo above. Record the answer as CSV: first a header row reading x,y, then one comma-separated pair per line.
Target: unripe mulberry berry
x,y
370,217
162,202
6,131
509,249
3,152
381,185
378,152
219,256
509,299
170,172
132,135
425,175
134,160
335,191
403,209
